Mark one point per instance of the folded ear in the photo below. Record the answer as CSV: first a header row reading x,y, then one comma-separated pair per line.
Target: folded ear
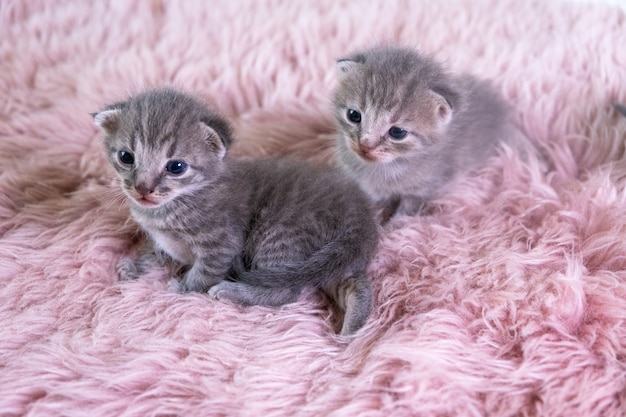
x,y
219,142
441,109
348,66
108,120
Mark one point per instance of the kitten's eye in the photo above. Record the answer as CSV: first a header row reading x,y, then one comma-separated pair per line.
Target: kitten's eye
x,y
397,132
354,116
176,167
127,158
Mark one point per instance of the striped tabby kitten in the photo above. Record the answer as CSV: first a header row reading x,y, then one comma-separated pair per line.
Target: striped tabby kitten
x,y
254,232
408,128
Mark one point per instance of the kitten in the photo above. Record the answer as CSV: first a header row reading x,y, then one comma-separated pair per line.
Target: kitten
x,y
408,127
253,232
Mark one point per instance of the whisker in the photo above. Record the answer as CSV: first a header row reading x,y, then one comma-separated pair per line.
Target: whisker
x,y
110,197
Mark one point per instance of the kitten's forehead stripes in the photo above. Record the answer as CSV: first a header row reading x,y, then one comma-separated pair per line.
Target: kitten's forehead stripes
x,y
171,150
364,97
133,142
142,121
381,89
408,95
396,117
172,128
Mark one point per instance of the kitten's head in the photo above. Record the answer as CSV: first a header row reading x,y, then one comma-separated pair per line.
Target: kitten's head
x,y
163,144
393,103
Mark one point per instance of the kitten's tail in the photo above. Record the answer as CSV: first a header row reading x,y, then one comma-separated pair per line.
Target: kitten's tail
x,y
338,268
335,261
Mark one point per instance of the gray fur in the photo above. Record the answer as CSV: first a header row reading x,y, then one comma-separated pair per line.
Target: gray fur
x,y
254,232
453,124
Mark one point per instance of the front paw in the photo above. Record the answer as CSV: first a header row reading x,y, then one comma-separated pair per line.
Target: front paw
x,y
187,285
197,279
126,270
216,290
223,290
174,285
193,282
385,209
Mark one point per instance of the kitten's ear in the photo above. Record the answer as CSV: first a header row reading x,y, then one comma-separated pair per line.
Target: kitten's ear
x,y
348,66
218,139
107,120
441,109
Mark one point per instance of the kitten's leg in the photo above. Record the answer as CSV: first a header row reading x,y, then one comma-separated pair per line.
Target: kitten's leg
x,y
202,275
354,297
246,294
215,263
411,205
129,268
408,205
386,209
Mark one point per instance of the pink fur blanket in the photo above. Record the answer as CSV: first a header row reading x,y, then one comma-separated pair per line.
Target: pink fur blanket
x,y
508,299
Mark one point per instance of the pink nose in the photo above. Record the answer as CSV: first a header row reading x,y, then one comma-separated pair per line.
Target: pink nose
x,y
367,152
144,189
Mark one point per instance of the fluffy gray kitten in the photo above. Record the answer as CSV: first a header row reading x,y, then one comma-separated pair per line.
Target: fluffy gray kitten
x,y
254,232
408,127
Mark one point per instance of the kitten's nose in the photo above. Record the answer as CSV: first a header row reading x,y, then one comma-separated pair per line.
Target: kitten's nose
x,y
144,189
369,142
367,152
366,148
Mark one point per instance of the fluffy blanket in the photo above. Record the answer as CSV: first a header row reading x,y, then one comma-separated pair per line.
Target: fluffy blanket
x,y
507,299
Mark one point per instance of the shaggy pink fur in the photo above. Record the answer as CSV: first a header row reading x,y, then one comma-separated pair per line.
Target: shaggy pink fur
x,y
509,299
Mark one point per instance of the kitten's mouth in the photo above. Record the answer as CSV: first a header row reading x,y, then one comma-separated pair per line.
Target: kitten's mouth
x,y
147,201
367,155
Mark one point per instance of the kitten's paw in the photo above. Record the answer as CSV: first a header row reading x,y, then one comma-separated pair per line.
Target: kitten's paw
x,y
385,209
174,285
188,284
126,270
223,290
214,291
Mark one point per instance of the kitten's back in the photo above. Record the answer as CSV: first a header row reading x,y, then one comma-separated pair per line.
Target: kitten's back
x,y
309,208
480,123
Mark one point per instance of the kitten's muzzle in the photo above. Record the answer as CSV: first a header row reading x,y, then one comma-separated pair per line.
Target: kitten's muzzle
x,y
367,152
144,195
144,190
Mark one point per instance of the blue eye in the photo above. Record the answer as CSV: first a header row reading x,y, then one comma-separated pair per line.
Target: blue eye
x,y
176,167
354,116
397,132
126,157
